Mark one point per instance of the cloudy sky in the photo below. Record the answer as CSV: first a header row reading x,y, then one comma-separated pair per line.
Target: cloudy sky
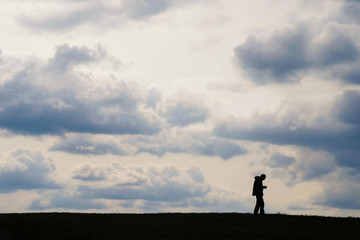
x,y
175,105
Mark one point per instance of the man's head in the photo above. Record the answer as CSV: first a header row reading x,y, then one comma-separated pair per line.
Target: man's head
x,y
263,176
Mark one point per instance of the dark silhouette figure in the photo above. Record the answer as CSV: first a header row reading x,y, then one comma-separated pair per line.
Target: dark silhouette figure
x,y
258,192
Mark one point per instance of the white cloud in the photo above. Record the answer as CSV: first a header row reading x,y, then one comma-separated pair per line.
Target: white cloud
x,y
147,183
27,170
149,188
86,172
64,200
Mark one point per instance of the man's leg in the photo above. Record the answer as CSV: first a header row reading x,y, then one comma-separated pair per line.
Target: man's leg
x,y
257,206
262,205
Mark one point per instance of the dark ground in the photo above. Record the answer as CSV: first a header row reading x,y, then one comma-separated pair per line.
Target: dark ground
x,y
220,226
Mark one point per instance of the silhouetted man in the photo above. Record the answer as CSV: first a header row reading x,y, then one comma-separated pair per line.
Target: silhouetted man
x,y
258,192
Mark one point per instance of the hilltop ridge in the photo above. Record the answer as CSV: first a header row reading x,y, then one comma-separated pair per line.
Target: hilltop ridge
x,y
175,226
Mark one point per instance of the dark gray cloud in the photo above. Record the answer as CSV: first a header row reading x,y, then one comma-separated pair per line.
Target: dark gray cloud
x,y
342,191
314,168
334,48
352,75
219,147
273,133
177,141
144,8
275,59
181,110
349,12
72,14
53,98
348,157
280,161
65,19
347,110
168,141
185,109
27,170
306,165
282,135
347,107
285,56
66,57
338,136
344,199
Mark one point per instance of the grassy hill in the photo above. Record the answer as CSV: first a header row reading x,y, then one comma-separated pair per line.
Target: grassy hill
x,y
220,226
